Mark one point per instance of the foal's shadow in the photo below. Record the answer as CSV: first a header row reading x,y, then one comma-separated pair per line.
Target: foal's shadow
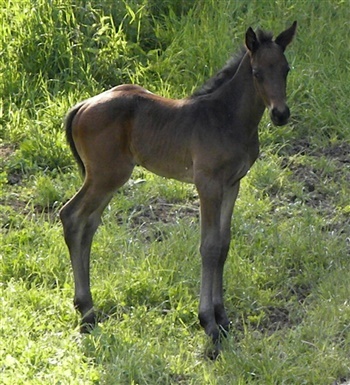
x,y
95,338
119,358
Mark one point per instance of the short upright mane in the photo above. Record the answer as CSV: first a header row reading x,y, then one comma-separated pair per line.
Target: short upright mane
x,y
264,37
225,74
229,70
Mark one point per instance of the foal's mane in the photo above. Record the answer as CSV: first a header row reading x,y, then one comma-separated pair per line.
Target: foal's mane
x,y
231,67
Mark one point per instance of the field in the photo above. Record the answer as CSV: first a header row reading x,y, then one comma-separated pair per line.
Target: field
x,y
287,275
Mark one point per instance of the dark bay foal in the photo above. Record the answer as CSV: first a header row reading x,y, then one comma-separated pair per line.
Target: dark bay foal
x,y
209,139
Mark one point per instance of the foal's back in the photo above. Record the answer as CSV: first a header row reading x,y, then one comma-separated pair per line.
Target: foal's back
x,y
137,127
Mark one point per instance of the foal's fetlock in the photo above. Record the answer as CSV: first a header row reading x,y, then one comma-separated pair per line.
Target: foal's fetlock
x,y
213,332
209,326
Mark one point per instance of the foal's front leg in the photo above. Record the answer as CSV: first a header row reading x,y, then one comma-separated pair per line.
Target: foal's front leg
x,y
210,200
228,202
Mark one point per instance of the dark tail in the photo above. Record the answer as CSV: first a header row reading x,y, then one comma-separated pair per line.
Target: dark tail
x,y
68,126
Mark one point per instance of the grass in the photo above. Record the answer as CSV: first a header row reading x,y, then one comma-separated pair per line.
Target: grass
x,y
286,278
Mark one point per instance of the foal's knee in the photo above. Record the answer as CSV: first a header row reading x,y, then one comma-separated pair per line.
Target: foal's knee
x,y
68,223
65,215
210,251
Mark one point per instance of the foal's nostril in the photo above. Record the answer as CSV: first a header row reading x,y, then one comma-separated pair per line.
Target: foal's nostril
x,y
280,117
281,114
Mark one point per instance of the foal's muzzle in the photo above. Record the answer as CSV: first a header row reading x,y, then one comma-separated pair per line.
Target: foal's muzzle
x,y
279,117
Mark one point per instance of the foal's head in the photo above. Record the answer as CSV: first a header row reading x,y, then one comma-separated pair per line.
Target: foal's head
x,y
270,69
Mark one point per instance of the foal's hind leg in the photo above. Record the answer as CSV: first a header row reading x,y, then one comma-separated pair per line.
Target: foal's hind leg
x,y
80,218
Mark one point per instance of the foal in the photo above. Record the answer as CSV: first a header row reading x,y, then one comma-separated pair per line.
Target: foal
x,y
209,139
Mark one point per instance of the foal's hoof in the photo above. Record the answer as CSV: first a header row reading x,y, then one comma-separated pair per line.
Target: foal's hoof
x,y
87,324
212,350
213,353
86,328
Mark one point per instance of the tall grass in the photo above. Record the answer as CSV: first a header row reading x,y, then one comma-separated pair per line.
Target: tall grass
x,y
287,290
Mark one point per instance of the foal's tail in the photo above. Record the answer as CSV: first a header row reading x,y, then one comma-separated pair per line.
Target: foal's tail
x,y
68,126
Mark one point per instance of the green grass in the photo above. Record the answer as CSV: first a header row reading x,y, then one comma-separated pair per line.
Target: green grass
x,y
286,279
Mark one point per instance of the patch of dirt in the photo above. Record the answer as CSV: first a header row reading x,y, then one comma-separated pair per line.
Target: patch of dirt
x,y
145,217
275,318
340,151
315,181
13,199
6,151
160,210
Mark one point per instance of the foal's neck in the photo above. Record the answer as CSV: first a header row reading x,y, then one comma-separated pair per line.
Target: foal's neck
x,y
241,97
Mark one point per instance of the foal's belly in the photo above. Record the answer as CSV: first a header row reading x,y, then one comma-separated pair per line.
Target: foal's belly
x,y
168,157
178,171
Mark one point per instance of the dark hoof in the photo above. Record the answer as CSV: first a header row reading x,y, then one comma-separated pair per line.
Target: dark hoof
x,y
88,323
213,351
86,328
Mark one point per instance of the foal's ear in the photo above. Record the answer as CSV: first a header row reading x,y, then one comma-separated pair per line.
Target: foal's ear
x,y
251,41
285,37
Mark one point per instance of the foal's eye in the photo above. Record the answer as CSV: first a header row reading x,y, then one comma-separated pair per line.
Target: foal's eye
x,y
257,74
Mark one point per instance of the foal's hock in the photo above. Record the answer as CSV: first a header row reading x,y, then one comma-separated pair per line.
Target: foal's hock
x,y
209,139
